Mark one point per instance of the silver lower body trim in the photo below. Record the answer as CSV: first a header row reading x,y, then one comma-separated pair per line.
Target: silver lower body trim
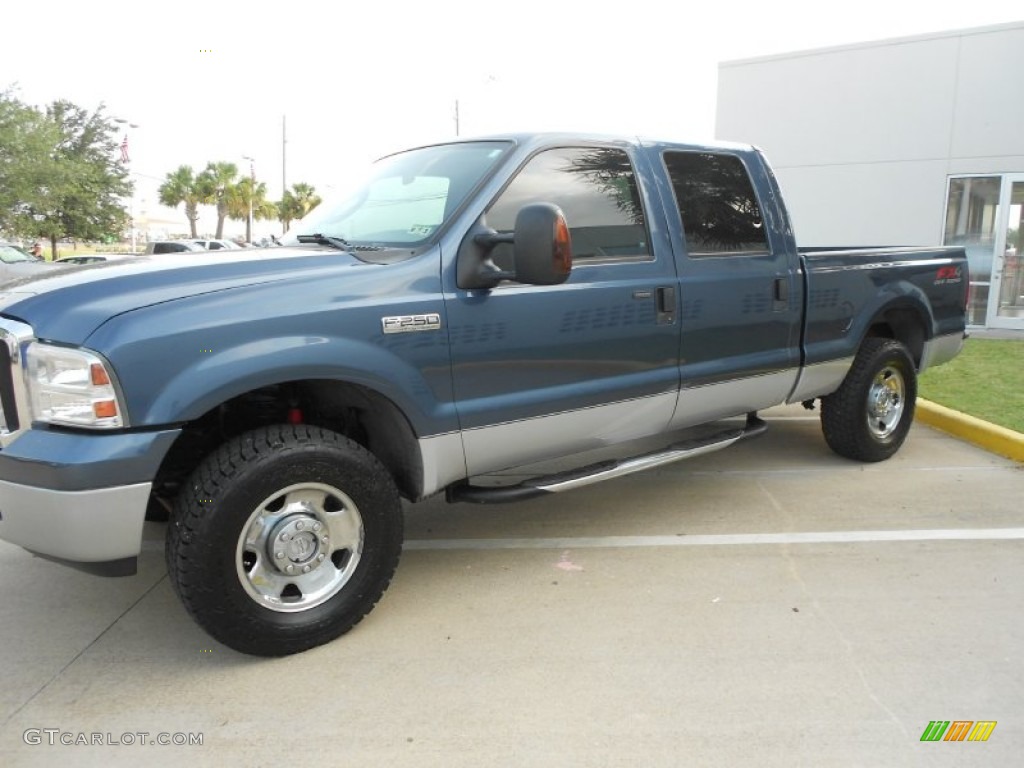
x,y
700,405
561,434
941,350
444,462
80,526
820,379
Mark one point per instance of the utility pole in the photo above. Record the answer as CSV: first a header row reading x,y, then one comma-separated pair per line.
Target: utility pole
x,y
252,192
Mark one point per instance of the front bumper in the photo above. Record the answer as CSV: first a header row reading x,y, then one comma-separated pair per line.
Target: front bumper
x,y
71,495
80,498
99,530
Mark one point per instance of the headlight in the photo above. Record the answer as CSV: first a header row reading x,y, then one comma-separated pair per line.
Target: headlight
x,y
72,387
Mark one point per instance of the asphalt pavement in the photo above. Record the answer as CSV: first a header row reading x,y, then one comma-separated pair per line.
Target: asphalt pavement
x,y
768,605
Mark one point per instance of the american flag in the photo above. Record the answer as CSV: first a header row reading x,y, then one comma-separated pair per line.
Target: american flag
x,y
124,149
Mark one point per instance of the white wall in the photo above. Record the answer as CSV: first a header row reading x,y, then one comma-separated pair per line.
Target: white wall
x,y
863,137
866,204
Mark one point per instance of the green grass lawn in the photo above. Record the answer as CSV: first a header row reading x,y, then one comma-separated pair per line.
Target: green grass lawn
x,y
985,380
84,249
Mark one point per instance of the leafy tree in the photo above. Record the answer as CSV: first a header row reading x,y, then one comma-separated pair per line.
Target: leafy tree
x,y
296,203
87,199
216,184
182,186
238,203
63,176
27,163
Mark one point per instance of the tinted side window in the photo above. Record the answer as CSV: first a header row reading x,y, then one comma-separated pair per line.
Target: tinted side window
x,y
716,203
596,189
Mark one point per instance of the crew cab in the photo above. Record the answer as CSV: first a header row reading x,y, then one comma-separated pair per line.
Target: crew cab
x,y
535,302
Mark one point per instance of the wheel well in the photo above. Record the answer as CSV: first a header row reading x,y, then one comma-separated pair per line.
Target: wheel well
x,y
360,414
904,325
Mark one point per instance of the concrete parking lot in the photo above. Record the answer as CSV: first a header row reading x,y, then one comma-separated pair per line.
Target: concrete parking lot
x,y
769,605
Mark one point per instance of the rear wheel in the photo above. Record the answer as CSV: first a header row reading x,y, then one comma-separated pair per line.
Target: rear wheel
x,y
869,416
284,538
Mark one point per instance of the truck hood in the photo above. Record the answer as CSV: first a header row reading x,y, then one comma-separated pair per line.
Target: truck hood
x,y
69,303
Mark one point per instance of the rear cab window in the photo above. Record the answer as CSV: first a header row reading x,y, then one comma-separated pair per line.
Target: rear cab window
x,y
717,204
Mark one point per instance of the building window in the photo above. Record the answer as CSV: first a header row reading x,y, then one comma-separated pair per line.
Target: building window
x,y
717,204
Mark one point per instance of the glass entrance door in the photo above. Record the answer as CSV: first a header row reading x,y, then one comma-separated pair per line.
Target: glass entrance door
x,y
972,220
1006,302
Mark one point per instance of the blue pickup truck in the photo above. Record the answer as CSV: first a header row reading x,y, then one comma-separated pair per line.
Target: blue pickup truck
x,y
541,301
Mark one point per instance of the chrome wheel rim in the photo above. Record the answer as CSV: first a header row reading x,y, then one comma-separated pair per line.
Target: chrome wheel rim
x,y
886,401
299,547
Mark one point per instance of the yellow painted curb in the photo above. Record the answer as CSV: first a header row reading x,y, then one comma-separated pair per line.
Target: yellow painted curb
x,y
989,436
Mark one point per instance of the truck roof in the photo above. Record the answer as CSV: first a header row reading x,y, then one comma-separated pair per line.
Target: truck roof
x,y
556,138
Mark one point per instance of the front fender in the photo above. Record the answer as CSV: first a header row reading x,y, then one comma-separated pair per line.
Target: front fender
x,y
220,375
177,361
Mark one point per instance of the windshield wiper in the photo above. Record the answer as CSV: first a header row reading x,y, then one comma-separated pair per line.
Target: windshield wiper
x,y
337,242
340,243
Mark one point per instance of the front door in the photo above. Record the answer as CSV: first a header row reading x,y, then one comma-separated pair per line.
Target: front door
x,y
546,371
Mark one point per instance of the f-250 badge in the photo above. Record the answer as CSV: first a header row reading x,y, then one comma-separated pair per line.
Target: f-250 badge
x,y
410,323
947,275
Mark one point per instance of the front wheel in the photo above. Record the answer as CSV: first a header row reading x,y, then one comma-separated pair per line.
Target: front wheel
x,y
869,416
284,538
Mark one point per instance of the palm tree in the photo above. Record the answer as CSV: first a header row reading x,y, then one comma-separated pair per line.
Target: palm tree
x,y
238,199
296,203
216,184
181,186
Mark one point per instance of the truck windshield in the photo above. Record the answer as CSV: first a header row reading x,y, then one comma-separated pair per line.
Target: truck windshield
x,y
405,198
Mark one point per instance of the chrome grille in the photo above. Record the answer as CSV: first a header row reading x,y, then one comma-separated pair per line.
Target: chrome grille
x,y
7,423
14,405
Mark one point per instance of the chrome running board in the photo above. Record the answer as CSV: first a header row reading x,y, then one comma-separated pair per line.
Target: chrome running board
x,y
605,470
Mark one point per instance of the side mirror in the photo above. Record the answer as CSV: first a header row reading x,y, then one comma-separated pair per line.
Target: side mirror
x,y
542,246
541,250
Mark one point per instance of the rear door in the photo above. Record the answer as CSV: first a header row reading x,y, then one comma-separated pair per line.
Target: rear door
x,y
546,371
742,296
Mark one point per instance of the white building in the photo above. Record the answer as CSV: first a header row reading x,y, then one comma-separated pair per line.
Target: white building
x,y
911,141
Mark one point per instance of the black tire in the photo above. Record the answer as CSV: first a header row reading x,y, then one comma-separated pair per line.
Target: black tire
x,y
869,416
305,498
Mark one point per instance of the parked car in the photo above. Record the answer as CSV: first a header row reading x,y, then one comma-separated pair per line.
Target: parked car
x,y
217,245
173,246
533,309
15,263
21,248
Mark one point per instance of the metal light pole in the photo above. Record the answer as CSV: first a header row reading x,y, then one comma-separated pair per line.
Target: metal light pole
x,y
125,159
479,88
252,192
